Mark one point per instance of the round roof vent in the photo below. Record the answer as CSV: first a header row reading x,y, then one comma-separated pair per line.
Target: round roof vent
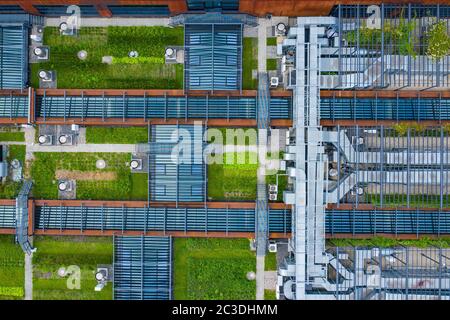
x,y
333,172
63,185
281,27
42,139
169,52
133,54
38,51
100,275
82,54
251,276
63,139
134,164
43,75
63,26
100,164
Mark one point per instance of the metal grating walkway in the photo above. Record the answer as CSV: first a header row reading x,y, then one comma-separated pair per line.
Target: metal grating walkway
x,y
142,268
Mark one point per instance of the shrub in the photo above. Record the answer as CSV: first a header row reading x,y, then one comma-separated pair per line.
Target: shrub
x,y
438,41
137,60
11,291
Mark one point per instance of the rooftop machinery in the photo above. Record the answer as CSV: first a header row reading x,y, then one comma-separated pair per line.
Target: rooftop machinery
x,y
316,158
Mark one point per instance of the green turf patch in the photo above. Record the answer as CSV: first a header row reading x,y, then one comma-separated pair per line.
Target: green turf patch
x,y
213,269
249,63
149,73
11,269
270,295
10,189
56,252
123,186
235,181
387,242
271,64
271,41
16,136
415,201
270,261
117,135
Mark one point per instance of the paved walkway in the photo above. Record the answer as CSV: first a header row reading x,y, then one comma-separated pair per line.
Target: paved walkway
x,y
113,148
29,275
262,44
119,21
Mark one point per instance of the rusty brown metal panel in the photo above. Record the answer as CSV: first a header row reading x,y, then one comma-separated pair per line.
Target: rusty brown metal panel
x,y
7,231
370,207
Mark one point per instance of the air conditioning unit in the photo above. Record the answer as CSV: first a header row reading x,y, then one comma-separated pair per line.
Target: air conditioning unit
x,y
281,29
41,53
273,196
273,188
357,140
136,164
65,186
65,139
357,191
45,140
46,75
272,246
170,55
274,81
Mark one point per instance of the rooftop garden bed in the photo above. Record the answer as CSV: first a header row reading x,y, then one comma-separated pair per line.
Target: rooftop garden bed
x,y
117,135
115,182
10,189
56,252
11,269
213,269
386,242
11,134
147,71
249,63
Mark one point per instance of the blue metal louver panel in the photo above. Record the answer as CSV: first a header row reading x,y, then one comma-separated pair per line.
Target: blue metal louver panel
x,y
13,106
136,11
60,10
385,109
387,221
213,57
14,56
199,107
157,219
7,217
142,268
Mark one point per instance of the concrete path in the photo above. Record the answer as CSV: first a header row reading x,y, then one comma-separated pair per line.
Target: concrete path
x,y
260,283
262,44
22,143
118,21
29,275
113,148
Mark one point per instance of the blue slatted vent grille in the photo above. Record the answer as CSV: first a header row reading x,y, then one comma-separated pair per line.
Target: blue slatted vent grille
x,y
158,107
142,268
7,217
13,106
385,109
58,10
387,221
177,174
226,5
213,57
11,9
155,219
139,10
13,56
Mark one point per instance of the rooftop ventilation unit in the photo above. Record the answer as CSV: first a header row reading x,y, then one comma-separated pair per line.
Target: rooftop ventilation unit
x,y
65,139
102,276
136,164
273,196
65,186
45,140
281,29
357,140
46,76
272,247
273,188
358,191
170,55
41,53
274,81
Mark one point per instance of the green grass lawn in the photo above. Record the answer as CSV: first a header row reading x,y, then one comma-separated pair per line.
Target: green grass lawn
x,y
84,252
233,181
10,189
213,269
11,269
124,186
271,64
118,135
270,261
147,72
271,41
235,136
250,62
387,242
12,136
